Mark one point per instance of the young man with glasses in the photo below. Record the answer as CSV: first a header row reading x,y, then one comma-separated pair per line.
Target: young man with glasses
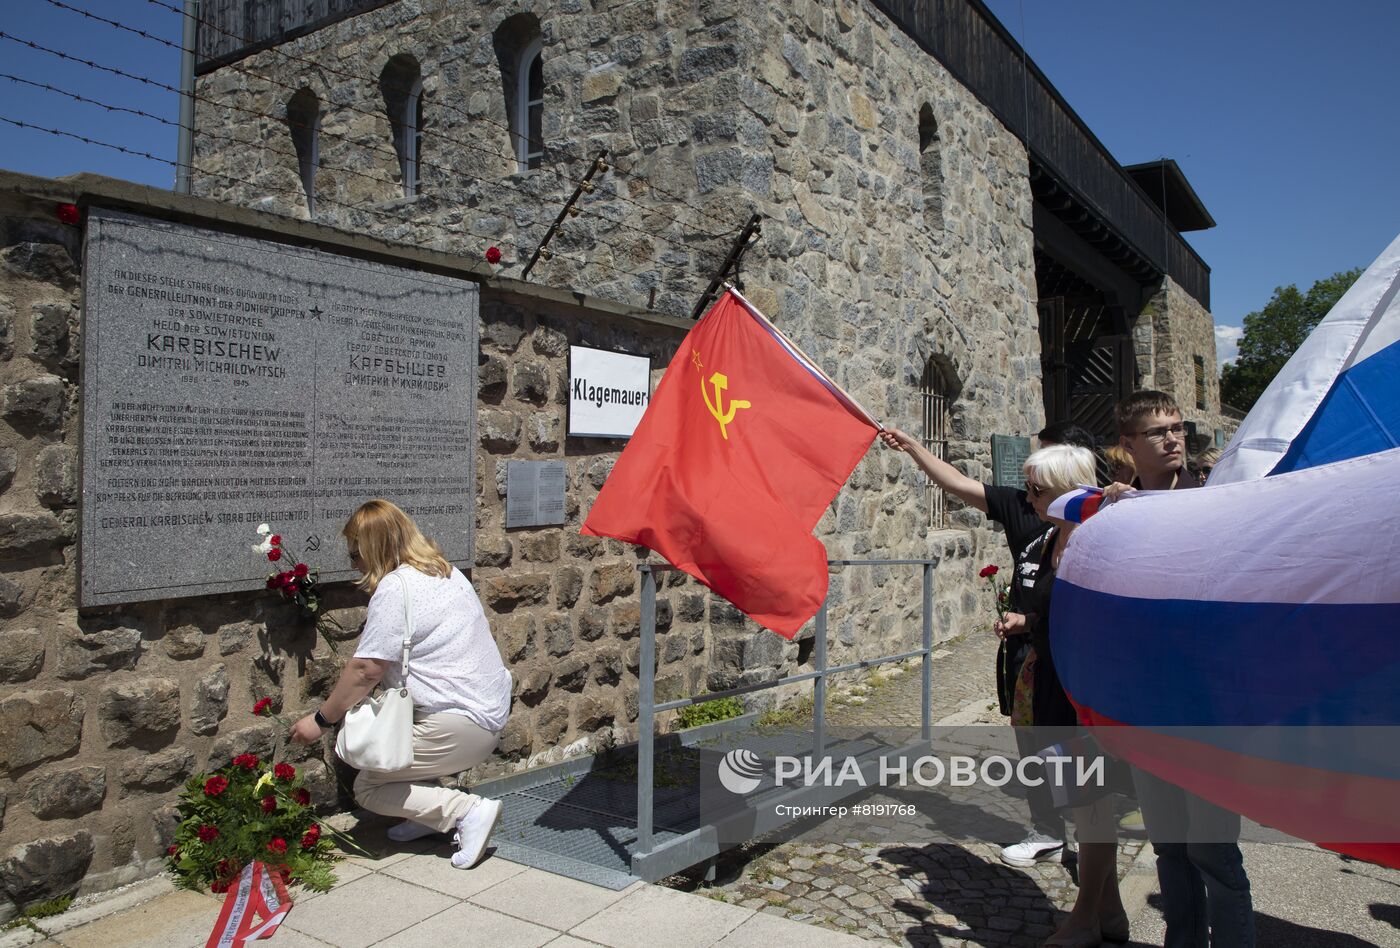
x,y
1205,892
1025,535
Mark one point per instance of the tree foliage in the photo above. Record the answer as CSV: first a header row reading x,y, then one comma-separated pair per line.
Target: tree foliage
x,y
1274,333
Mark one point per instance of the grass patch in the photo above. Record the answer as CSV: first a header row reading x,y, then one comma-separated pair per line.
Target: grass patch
x,y
46,909
794,714
708,712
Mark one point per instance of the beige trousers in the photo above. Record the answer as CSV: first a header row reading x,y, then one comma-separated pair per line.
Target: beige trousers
x,y
443,744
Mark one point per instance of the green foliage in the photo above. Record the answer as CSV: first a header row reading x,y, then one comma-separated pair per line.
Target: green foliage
x,y
794,714
708,712
49,908
246,811
1274,333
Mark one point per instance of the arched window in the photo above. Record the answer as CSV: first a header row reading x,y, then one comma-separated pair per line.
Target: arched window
x,y
936,395
518,52
401,84
304,123
931,168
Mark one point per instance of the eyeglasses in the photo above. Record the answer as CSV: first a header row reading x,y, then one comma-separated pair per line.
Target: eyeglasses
x,y
1035,490
1158,435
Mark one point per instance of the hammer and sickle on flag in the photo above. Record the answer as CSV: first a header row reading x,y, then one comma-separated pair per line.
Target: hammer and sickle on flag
x,y
737,513
721,382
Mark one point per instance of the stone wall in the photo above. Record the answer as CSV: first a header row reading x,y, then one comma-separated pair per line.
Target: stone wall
x,y
875,256
1173,331
105,712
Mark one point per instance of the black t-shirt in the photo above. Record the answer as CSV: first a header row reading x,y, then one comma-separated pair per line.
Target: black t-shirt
x,y
1025,535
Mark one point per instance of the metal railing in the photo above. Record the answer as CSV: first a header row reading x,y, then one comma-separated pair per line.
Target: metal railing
x,y
648,708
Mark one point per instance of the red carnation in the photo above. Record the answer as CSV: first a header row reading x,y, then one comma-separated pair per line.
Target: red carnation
x,y
301,569
215,786
207,834
246,761
262,706
269,804
308,841
493,255
284,771
987,571
278,845
274,580
275,539
224,868
173,850
223,885
274,554
302,796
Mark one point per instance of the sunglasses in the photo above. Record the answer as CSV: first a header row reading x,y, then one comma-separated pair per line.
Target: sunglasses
x,y
1035,490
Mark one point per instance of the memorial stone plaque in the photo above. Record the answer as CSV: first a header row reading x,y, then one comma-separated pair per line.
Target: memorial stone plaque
x,y
1009,454
230,381
534,493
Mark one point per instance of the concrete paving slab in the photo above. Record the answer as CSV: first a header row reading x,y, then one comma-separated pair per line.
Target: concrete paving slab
x,y
365,911
438,874
91,908
345,873
765,931
569,941
642,915
478,925
24,937
179,919
547,899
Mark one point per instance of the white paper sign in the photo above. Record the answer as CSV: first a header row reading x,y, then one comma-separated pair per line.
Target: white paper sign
x,y
608,392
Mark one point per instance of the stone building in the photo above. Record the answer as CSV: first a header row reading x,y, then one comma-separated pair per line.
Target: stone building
x,y
938,229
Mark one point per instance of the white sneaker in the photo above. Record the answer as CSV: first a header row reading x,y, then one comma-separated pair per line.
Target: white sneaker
x,y
409,830
473,832
1037,847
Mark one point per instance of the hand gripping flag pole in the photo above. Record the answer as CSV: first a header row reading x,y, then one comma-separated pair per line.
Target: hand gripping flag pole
x,y
744,445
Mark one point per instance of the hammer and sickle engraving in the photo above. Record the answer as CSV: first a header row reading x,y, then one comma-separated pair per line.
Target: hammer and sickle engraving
x,y
724,417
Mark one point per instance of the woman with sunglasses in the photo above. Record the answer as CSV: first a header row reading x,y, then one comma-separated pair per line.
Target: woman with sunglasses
x,y
1040,700
459,685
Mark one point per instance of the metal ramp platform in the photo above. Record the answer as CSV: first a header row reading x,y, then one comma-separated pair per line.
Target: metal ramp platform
x,y
579,819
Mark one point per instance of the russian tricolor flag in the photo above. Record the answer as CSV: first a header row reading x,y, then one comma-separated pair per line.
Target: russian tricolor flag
x,y
1243,641
1077,506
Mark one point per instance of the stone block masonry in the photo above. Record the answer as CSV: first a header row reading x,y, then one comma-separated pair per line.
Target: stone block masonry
x,y
105,712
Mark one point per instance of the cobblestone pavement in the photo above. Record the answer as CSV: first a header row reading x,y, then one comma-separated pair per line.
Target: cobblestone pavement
x,y
933,878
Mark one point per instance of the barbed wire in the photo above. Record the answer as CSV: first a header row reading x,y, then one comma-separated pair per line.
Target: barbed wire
x,y
514,133
446,172
264,186
464,143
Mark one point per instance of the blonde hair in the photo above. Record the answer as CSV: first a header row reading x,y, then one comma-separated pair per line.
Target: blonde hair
x,y
1117,457
386,539
1208,458
1060,468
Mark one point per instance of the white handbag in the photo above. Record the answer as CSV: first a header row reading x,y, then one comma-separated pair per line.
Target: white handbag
x,y
377,734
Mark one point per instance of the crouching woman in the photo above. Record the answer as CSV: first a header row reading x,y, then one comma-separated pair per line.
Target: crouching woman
x,y
459,685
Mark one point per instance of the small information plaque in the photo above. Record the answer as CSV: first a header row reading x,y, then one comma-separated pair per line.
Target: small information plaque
x,y
1009,453
534,493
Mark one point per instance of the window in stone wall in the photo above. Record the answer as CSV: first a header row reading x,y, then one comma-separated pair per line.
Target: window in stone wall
x,y
519,54
1200,382
304,123
401,84
935,391
931,168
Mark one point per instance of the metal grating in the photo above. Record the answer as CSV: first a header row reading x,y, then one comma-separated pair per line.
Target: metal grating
x,y
584,824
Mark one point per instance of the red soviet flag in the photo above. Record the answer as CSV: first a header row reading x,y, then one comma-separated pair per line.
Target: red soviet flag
x,y
742,448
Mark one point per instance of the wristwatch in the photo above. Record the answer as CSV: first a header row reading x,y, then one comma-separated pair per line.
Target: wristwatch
x,y
321,720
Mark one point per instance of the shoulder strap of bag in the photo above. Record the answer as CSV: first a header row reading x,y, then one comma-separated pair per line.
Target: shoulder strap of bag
x,y
407,627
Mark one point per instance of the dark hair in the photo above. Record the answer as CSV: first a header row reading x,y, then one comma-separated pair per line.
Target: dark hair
x,y
1139,405
1067,432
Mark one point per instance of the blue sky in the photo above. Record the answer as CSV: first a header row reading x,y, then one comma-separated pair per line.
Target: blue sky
x,y
1280,112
